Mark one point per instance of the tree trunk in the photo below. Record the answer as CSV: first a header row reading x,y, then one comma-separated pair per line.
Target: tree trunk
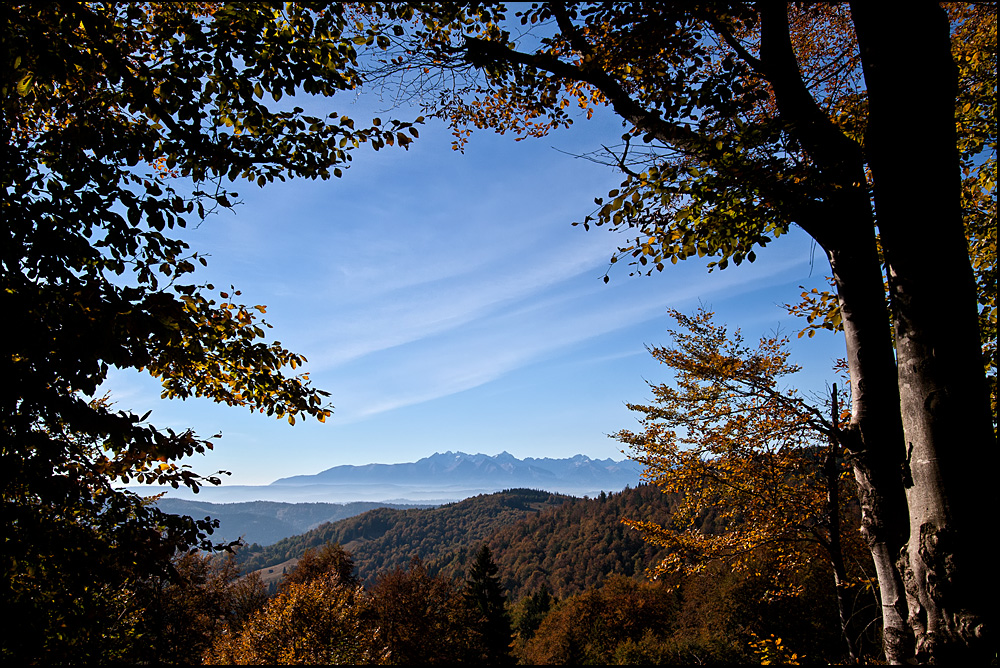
x,y
875,435
831,471
911,148
844,226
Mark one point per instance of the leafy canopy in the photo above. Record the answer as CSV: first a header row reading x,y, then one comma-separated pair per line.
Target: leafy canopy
x,y
725,146
753,465
122,123
712,168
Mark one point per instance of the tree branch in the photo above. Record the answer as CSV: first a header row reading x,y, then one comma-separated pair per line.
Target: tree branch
x,y
832,150
479,52
576,40
734,44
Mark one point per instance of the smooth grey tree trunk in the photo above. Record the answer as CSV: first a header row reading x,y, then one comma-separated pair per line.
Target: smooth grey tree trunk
x,y
950,445
874,437
843,224
906,417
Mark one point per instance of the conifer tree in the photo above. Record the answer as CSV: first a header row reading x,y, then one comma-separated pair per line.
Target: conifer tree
x,y
485,598
534,609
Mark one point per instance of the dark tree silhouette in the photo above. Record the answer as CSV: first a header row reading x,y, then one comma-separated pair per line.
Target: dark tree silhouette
x,y
486,600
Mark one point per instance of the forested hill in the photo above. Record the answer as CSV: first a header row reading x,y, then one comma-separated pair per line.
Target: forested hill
x,y
573,546
536,538
385,538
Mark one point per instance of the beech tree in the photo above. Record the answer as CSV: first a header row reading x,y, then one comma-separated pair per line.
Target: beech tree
x,y
210,597
329,561
319,622
620,622
727,438
743,119
421,618
121,123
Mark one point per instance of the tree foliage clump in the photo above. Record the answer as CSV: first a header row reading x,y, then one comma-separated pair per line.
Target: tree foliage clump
x,y
727,438
122,123
321,614
528,613
974,48
422,618
726,435
209,598
329,561
622,621
316,622
486,601
715,616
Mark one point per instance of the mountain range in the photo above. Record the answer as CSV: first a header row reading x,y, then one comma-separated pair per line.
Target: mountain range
x,y
439,478
451,469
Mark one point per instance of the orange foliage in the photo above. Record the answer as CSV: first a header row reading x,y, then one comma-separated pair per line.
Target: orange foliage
x,y
741,453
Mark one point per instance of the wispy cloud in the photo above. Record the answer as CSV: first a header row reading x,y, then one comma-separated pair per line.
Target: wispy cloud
x,y
414,312
536,325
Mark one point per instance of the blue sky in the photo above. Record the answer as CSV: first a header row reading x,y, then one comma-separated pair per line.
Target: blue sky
x,y
447,303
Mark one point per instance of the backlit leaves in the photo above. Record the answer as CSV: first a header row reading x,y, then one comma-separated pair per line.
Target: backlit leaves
x,y
314,622
974,49
711,168
732,444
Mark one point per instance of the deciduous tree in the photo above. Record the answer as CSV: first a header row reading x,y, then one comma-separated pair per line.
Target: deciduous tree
x,y
330,560
209,598
321,621
121,123
727,437
421,618
622,621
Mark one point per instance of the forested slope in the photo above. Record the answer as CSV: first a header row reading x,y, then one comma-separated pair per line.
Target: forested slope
x,y
573,546
565,543
385,538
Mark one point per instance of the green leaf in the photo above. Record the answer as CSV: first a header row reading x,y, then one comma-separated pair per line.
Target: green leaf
x,y
24,85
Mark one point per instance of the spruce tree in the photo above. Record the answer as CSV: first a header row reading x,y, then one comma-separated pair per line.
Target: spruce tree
x,y
536,606
485,599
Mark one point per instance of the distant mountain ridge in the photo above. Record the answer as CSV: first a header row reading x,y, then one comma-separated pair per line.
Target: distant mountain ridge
x,y
454,469
443,477
290,506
